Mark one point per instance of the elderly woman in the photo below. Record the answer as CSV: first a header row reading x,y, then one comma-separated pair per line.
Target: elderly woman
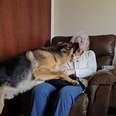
x,y
82,64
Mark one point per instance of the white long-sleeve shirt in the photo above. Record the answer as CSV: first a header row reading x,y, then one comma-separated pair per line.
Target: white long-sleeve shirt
x,y
83,65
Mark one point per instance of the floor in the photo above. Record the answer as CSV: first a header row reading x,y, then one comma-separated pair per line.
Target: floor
x,y
112,112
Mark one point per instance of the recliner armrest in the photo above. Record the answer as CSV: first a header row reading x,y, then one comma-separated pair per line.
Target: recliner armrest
x,y
99,89
102,77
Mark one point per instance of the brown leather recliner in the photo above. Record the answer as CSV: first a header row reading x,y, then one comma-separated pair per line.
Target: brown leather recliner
x,y
95,102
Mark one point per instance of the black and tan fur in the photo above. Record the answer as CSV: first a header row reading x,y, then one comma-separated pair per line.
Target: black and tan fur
x,y
31,69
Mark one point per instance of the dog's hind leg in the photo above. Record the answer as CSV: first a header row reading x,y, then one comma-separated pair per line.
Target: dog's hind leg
x,y
1,103
2,97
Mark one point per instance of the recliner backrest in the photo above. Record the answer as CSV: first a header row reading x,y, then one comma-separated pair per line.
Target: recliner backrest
x,y
102,45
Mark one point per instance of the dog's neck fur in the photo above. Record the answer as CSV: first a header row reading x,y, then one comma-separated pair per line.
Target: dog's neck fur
x,y
65,56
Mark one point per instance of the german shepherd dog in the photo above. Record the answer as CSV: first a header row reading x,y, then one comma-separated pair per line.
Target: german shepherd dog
x,y
34,67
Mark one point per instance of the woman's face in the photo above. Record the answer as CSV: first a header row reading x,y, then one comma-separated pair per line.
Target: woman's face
x,y
81,42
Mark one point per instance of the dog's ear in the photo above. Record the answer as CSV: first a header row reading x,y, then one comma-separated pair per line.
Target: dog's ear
x,y
30,56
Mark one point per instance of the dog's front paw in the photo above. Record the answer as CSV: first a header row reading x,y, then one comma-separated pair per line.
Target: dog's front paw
x,y
85,82
75,82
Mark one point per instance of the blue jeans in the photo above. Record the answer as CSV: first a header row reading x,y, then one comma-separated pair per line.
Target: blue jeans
x,y
66,97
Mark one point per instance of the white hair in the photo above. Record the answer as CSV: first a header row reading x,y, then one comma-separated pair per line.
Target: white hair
x,y
84,37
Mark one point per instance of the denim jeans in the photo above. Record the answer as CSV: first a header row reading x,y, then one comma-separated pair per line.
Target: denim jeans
x,y
65,99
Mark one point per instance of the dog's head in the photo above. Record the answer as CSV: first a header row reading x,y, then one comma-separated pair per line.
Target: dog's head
x,y
64,46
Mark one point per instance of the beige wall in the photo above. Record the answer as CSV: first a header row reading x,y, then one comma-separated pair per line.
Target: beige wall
x,y
91,16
